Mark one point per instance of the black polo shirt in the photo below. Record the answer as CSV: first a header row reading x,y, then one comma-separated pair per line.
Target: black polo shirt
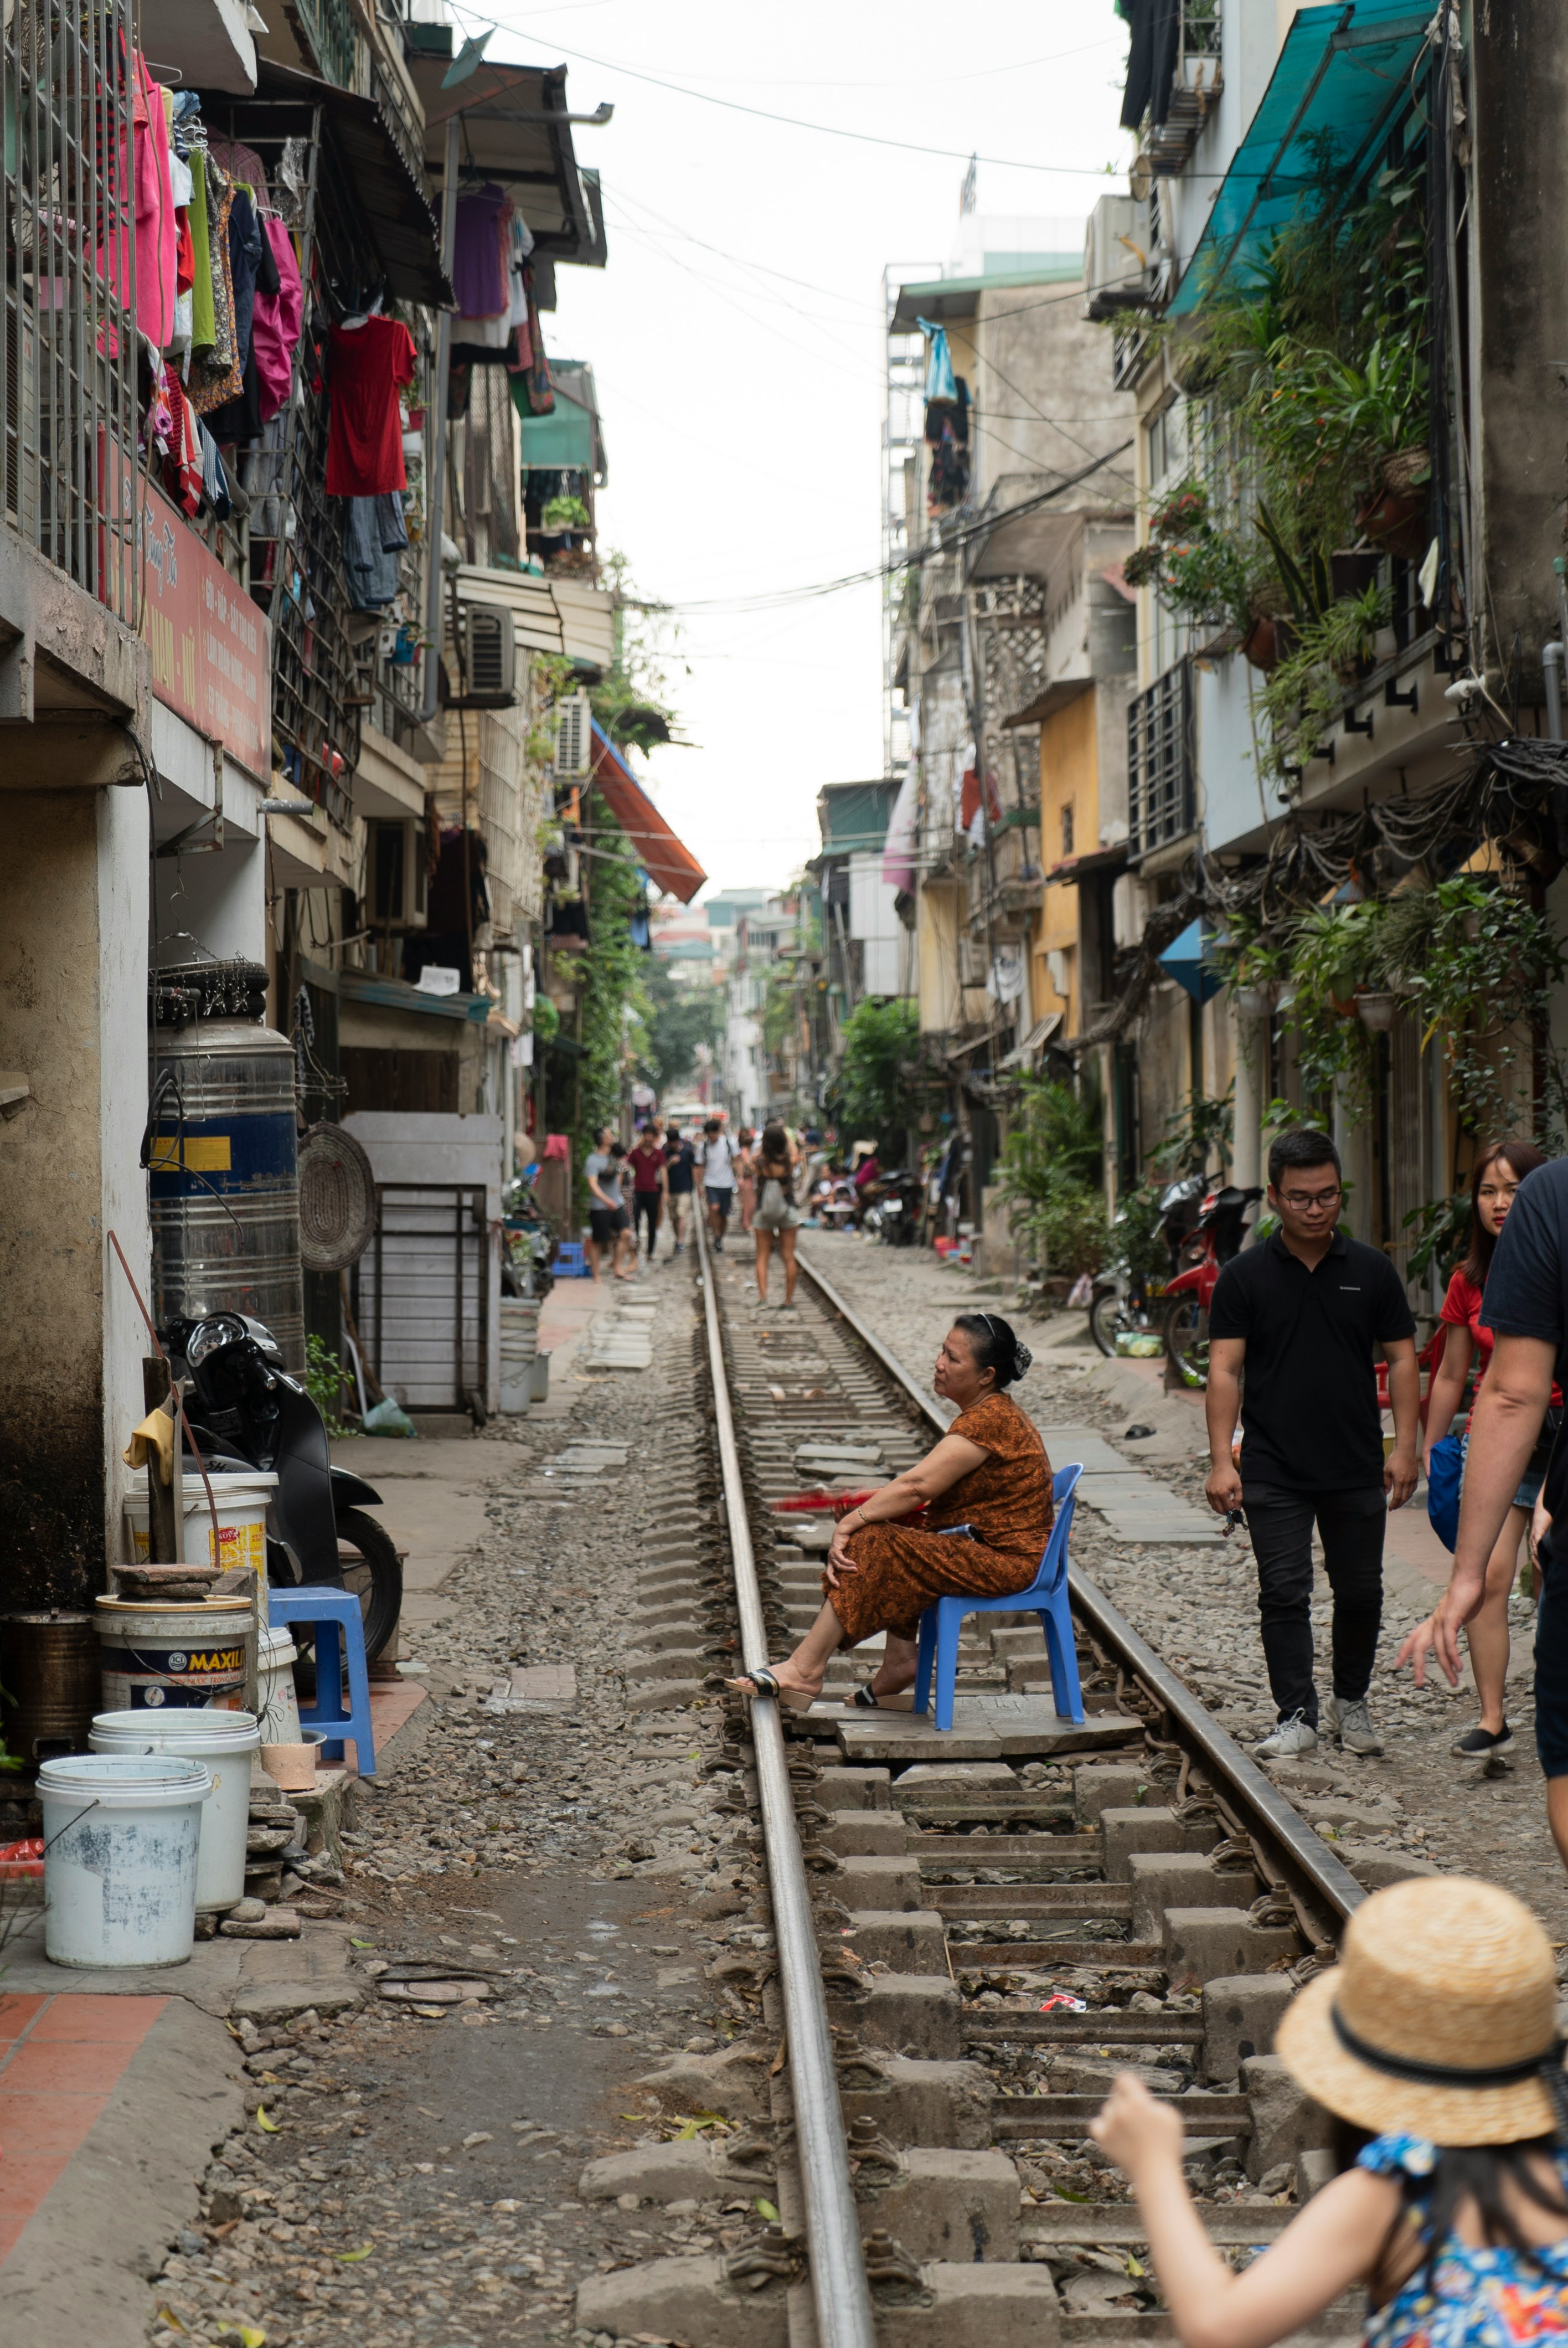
x,y
1310,1409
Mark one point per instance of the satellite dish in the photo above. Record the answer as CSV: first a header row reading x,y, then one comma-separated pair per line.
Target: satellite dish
x,y
337,1200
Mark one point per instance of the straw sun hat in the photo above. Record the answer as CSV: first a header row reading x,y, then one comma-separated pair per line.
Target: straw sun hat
x,y
1440,2019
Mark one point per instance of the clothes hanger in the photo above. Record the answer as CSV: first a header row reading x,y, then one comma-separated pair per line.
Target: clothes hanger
x,y
166,76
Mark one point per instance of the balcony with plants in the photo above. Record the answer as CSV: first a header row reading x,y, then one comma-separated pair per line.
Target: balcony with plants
x,y
1306,538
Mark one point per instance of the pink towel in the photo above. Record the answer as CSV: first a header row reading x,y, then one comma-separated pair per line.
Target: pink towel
x,y
275,323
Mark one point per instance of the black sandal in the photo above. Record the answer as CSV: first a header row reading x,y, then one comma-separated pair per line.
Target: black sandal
x,y
766,1683
865,1699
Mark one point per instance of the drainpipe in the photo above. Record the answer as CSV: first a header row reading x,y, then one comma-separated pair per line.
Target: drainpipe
x,y
1551,667
436,471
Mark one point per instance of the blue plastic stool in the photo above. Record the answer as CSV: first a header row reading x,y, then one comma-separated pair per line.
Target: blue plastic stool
x,y
337,1617
569,1263
1046,1596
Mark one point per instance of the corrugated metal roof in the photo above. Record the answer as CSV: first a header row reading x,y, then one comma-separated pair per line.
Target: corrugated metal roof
x,y
944,298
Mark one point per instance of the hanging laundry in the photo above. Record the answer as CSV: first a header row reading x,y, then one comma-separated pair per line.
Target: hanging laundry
x,y
214,480
476,276
536,373
203,323
374,536
939,380
154,227
370,365
255,271
275,323
946,435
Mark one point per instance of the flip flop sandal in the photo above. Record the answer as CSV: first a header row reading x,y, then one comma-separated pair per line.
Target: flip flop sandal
x,y
766,1683
866,1699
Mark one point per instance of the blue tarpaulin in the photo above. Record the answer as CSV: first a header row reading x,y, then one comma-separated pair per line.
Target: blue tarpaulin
x,y
1348,70
1183,960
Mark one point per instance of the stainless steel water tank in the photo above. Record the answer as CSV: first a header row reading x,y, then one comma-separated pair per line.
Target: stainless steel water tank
x,y
225,1187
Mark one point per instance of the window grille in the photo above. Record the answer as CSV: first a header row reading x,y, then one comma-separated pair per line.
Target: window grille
x,y
68,355
1160,795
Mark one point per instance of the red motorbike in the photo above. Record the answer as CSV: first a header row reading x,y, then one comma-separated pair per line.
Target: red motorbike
x,y
1225,1217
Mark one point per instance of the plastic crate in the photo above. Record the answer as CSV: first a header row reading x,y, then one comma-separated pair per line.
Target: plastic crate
x,y
569,1260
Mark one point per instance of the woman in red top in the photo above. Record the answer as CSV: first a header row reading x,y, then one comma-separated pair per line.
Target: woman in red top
x,y
1497,1176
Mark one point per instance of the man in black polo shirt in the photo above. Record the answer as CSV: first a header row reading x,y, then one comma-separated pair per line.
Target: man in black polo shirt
x,y
1526,1309
1305,1311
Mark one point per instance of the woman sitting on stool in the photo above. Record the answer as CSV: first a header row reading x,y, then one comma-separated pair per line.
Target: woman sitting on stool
x,y
988,1471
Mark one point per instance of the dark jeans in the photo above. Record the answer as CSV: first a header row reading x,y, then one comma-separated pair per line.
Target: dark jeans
x,y
1352,1524
645,1209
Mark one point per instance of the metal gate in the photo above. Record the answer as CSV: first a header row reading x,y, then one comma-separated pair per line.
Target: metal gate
x,y
422,1293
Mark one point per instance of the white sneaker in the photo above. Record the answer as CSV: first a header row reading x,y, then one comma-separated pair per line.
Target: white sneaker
x,y
1352,1724
1290,1741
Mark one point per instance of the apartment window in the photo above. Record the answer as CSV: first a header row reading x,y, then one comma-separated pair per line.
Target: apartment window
x,y
1160,795
1067,829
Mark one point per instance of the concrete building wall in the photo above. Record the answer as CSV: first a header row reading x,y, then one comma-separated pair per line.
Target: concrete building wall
x,y
73,1020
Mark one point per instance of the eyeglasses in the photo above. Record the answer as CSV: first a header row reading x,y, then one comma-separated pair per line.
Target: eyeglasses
x,y
1306,1202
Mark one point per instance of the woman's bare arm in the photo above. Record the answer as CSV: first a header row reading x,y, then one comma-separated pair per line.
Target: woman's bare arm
x,y
1335,2241
937,1472
1447,1390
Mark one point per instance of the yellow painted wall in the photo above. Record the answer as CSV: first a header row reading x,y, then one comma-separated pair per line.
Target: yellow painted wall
x,y
1069,780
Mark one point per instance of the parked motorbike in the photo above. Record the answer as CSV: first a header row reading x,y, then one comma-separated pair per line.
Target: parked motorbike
x,y
1123,1305
249,1413
530,1244
893,1210
1225,1217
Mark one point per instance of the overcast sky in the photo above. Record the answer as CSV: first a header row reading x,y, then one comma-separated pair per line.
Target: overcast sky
x,y
737,334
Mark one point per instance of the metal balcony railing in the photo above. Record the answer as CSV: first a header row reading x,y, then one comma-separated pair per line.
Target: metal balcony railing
x,y
68,354
1161,796
329,27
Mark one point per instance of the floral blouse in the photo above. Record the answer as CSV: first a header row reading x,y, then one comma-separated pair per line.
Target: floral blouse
x,y
1482,2297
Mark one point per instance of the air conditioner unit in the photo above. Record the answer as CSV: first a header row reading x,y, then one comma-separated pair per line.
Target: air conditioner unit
x,y
574,735
1117,244
398,897
489,656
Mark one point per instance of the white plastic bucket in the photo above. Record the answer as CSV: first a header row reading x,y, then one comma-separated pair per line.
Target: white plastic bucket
x,y
280,1713
223,1742
166,1654
121,1840
242,1502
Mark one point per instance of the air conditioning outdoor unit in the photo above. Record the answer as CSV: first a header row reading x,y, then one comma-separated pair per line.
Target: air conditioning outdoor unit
x,y
574,735
1116,246
397,875
489,657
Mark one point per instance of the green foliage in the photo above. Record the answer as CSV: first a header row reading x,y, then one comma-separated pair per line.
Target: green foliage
x,y
1441,1228
565,513
1068,1228
612,977
877,1085
326,1382
1049,1175
675,1020
1137,1233
1195,1134
629,700
1329,652
545,1018
1200,572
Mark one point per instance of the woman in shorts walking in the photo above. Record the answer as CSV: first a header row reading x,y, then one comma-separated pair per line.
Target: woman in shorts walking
x,y
776,1214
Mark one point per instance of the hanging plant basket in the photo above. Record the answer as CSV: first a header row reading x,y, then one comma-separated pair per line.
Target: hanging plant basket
x,y
1267,641
1395,519
1254,1002
1377,1011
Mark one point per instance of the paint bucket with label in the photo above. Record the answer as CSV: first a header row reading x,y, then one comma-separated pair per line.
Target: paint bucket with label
x,y
223,1742
242,1502
158,1657
121,1834
279,1706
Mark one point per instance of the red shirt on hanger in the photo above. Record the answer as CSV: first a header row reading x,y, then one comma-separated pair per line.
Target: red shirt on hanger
x,y
365,437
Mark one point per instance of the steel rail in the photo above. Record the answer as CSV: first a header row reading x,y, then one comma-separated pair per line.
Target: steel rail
x,y
1324,1876
840,2292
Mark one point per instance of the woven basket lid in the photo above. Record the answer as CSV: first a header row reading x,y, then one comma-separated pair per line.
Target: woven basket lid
x,y
337,1200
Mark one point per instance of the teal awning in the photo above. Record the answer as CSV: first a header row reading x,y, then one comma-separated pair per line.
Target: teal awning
x,y
1185,960
562,442
1345,69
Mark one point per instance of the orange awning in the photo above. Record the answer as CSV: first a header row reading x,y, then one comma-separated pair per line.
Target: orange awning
x,y
670,865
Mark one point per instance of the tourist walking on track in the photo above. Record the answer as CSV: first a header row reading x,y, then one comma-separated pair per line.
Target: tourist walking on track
x,y
746,1175
1305,1311
777,1216
1498,1172
602,1176
718,1178
680,1160
650,1187
1526,1309
1433,2044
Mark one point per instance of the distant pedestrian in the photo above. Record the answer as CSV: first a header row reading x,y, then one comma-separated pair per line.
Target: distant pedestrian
x,y
603,1179
777,1213
1526,1309
1305,1311
1433,2045
746,1175
1498,1172
681,1161
625,1237
718,1178
650,1187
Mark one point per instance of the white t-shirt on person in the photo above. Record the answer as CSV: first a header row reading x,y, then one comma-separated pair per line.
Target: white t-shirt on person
x,y
719,1164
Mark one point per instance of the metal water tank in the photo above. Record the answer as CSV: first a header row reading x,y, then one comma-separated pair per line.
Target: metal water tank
x,y
225,1193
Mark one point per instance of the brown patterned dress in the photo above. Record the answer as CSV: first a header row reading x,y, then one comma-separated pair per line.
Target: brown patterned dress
x,y
1007,1499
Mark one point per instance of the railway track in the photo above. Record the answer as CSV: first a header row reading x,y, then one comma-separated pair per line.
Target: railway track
x,y
960,1937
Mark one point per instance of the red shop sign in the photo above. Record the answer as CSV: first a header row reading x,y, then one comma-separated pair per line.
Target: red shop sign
x,y
211,651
